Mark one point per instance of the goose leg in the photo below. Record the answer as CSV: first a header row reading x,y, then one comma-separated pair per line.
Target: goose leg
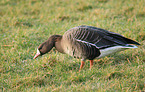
x,y
82,64
91,63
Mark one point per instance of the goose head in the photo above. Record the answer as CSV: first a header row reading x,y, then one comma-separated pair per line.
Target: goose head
x,y
46,46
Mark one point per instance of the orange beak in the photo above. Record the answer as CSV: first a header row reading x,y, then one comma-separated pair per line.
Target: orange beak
x,y
36,56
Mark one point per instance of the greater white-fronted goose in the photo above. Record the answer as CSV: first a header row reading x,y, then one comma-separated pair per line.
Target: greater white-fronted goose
x,y
86,42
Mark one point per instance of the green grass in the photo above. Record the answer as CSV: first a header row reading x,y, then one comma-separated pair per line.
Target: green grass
x,y
24,24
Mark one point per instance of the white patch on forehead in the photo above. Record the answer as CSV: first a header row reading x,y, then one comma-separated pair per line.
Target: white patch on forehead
x,y
38,52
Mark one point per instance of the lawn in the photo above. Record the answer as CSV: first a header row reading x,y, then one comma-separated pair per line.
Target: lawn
x,y
24,24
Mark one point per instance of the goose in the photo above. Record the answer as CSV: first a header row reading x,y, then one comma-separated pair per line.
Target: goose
x,y
86,43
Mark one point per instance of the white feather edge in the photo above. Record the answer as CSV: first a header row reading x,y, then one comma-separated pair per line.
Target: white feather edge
x,y
86,42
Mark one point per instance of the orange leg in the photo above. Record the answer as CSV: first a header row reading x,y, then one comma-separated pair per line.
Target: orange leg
x,y
91,63
82,64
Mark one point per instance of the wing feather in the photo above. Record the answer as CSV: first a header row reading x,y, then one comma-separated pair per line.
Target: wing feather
x,y
100,37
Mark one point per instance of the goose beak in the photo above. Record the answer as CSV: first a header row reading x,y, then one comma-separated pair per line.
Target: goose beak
x,y
37,54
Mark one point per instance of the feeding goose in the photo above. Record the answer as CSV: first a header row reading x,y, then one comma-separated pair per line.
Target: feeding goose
x,y
86,42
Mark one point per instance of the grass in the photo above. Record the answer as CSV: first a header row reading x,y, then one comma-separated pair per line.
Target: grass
x,y
24,24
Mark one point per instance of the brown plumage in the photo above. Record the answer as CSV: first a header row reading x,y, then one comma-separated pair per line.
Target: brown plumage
x,y
86,42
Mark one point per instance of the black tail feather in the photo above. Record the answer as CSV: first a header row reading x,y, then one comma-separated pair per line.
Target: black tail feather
x,y
124,39
131,41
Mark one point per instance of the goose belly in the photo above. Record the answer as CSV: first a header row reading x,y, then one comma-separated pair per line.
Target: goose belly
x,y
110,50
